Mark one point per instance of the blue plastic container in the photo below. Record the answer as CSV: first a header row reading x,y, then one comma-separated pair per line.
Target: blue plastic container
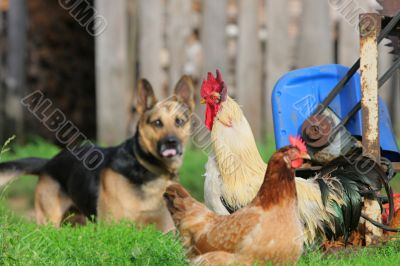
x,y
297,94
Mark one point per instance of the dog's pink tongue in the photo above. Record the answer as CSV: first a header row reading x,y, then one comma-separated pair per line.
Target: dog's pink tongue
x,y
169,153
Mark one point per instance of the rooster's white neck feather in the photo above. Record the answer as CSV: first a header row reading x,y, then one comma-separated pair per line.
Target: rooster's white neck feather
x,y
236,154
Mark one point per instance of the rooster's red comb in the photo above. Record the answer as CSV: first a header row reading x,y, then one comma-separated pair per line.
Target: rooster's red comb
x,y
213,84
298,143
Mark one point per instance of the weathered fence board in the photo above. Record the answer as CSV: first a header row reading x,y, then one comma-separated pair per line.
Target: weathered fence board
x,y
112,73
2,75
214,35
151,43
278,52
177,35
316,38
16,65
248,76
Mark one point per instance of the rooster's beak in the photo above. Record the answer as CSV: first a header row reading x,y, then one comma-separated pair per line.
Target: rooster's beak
x,y
305,156
202,101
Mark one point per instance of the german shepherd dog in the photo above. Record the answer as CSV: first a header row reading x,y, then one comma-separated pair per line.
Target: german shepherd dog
x,y
131,179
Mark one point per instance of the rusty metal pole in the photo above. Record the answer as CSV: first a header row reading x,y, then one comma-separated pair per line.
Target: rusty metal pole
x,y
370,26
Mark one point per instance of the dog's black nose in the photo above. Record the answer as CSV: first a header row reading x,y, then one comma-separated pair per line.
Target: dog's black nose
x,y
171,141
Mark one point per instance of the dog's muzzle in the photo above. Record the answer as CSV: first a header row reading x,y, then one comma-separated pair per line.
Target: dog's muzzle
x,y
170,147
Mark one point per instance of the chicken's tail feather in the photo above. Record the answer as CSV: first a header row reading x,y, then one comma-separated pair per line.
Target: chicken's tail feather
x,y
189,215
174,196
355,182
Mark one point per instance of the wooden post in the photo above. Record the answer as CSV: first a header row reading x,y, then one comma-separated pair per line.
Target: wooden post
x,y
214,36
315,44
277,55
112,75
133,28
249,65
150,38
133,21
16,64
177,36
2,72
370,25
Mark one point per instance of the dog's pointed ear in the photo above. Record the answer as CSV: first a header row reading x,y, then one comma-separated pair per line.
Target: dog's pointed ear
x,y
184,92
146,98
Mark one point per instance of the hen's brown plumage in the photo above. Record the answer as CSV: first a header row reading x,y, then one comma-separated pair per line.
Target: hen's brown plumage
x,y
267,230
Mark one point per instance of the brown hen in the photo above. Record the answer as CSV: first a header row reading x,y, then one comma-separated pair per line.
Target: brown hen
x,y
267,230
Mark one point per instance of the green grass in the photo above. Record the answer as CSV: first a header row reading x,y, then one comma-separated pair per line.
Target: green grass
x,y
24,243
24,186
389,254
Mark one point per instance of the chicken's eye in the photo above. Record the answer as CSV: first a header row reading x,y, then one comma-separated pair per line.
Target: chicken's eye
x,y
215,99
179,122
157,123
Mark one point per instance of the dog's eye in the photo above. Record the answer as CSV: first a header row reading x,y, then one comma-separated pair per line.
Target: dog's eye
x,y
179,122
157,123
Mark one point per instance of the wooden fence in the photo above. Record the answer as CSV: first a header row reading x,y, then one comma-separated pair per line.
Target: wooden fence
x,y
253,42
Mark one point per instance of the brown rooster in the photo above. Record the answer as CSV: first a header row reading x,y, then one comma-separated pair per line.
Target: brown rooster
x,y
267,230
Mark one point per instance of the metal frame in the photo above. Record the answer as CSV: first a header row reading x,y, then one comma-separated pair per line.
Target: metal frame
x,y
370,36
391,27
